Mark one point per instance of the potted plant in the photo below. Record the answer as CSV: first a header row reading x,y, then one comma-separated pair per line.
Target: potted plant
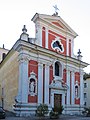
x,y
42,110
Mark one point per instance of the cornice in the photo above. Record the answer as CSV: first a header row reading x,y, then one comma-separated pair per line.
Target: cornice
x,y
32,48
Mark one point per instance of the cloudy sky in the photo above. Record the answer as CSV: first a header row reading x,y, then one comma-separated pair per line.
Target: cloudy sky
x,y
16,13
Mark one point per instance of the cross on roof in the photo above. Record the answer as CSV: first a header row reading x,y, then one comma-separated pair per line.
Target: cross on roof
x,y
79,52
56,8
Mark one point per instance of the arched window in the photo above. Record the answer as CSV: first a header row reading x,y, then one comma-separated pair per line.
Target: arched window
x,y
56,69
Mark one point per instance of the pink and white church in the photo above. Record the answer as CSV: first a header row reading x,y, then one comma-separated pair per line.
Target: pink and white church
x,y
49,72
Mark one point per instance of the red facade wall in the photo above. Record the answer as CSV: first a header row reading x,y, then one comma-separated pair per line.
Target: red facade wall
x,y
51,74
65,80
70,48
57,24
77,101
77,78
33,66
50,80
43,37
64,76
32,99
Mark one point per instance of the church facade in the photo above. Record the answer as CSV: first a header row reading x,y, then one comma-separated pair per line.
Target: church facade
x,y
43,69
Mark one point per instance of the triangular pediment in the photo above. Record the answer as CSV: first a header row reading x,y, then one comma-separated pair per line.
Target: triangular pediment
x,y
57,24
60,25
55,21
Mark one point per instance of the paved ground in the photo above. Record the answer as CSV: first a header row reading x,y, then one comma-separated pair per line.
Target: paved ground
x,y
11,116
36,118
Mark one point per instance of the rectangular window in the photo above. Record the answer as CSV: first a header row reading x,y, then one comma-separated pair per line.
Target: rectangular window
x,y
85,95
85,103
85,85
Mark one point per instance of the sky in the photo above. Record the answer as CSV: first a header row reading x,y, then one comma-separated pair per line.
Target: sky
x,y
16,13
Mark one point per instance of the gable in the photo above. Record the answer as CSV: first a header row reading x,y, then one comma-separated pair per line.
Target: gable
x,y
55,21
61,26
57,24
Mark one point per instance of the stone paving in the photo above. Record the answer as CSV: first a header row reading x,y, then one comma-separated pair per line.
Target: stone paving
x,y
63,117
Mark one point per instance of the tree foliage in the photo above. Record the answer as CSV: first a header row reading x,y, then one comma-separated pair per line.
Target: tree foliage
x,y
86,76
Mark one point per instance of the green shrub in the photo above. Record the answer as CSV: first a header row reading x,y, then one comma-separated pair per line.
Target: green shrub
x,y
42,110
86,111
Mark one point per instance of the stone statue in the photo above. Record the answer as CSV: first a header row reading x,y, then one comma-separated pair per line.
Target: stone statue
x,y
32,87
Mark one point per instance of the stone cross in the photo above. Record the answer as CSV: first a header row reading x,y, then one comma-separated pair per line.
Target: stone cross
x,y
56,9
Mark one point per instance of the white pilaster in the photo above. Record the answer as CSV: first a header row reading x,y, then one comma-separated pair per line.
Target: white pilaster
x,y
40,83
72,89
46,85
52,99
23,79
46,38
81,89
63,100
68,90
72,47
39,34
67,47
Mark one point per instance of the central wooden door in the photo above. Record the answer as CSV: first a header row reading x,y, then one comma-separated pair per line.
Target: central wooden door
x,y
57,100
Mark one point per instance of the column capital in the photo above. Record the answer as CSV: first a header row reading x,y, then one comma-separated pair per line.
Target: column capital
x,y
41,61
23,58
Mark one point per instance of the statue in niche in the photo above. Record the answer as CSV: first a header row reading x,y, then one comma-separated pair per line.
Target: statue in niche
x,y
76,91
32,86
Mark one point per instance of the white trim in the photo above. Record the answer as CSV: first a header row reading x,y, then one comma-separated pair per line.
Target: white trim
x,y
46,85
57,48
76,84
73,89
67,46
46,34
60,76
38,34
81,89
33,76
57,92
40,83
72,48
23,80
68,90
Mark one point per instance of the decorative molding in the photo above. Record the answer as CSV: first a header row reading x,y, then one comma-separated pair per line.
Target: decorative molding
x,y
32,84
23,58
57,45
77,90
60,67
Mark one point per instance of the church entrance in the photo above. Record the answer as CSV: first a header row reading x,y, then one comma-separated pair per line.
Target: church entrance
x,y
57,100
